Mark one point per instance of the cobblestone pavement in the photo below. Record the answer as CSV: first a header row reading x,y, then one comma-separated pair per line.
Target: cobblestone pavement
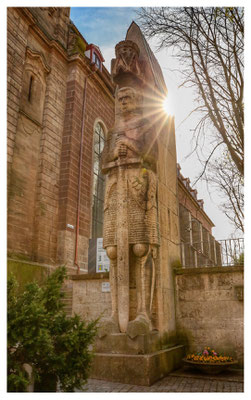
x,y
180,381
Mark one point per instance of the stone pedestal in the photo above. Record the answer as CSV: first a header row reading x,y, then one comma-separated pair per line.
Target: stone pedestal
x,y
137,369
139,361
121,343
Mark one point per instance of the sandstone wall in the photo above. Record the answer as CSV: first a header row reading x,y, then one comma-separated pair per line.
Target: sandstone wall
x,y
209,308
38,72
45,119
88,300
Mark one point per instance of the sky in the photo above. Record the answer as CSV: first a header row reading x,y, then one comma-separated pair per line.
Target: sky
x,y
105,27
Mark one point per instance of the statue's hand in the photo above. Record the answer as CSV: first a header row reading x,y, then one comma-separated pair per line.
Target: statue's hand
x,y
122,151
121,147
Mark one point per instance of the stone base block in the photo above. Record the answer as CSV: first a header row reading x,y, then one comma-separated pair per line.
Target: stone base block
x,y
137,369
121,343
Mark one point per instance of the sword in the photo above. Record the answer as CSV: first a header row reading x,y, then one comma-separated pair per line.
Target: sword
x,y
122,246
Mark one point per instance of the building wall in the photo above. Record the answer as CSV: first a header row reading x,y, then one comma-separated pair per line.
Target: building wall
x,y
88,299
209,306
44,136
46,79
98,106
209,309
198,245
191,204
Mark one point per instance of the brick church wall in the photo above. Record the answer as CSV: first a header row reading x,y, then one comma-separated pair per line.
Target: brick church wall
x,y
45,116
98,106
16,48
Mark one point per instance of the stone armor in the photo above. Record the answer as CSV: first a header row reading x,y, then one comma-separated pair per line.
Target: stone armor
x,y
141,187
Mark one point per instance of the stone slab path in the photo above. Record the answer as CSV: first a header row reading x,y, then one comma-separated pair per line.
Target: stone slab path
x,y
179,381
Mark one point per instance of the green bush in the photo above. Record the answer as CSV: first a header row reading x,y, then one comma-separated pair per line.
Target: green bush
x,y
41,335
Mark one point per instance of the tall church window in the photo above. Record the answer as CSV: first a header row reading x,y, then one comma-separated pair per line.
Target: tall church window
x,y
98,184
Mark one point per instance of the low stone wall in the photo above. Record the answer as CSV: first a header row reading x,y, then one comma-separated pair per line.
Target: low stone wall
x,y
89,300
209,308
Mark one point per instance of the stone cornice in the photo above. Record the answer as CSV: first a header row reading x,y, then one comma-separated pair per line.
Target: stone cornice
x,y
97,75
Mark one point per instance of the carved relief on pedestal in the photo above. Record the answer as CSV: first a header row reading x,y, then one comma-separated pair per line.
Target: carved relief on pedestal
x,y
131,227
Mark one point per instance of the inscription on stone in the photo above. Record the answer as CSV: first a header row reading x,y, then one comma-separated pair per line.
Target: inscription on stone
x,y
106,287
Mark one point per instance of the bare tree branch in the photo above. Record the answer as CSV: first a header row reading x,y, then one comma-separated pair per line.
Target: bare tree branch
x,y
209,44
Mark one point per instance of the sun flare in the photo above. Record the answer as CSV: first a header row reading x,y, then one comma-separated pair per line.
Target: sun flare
x,y
166,105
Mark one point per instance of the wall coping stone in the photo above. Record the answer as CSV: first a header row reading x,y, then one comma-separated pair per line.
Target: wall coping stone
x,y
207,270
177,271
84,277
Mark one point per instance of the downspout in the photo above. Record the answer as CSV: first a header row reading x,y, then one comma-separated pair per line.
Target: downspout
x,y
80,171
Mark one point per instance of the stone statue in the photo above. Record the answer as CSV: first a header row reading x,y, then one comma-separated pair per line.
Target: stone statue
x,y
139,161
126,64
130,210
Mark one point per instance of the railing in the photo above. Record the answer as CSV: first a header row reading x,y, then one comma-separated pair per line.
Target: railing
x,y
208,253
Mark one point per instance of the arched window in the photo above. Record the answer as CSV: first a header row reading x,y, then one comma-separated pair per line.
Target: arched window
x,y
98,184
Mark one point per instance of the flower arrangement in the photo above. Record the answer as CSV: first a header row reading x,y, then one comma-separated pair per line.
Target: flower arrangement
x,y
209,356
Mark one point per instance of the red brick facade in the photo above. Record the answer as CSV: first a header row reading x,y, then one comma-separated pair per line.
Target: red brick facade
x,y
44,134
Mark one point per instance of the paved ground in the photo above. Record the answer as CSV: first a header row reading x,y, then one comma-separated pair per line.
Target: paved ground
x,y
182,380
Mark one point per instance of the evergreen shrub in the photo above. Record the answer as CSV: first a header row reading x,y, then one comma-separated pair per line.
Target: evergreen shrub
x,y
40,334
